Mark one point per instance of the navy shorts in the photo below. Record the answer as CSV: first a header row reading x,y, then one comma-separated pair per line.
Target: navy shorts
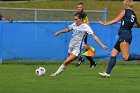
x,y
124,35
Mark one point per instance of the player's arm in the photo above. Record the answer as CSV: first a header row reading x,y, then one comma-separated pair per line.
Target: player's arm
x,y
3,19
117,19
62,31
7,19
98,41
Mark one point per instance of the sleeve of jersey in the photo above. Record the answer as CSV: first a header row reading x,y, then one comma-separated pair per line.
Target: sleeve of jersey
x,y
89,30
71,26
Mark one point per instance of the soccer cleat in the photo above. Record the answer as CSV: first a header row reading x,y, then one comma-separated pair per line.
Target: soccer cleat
x,y
53,75
93,66
104,74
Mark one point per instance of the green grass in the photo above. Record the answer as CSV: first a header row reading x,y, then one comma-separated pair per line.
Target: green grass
x,y
114,7
19,78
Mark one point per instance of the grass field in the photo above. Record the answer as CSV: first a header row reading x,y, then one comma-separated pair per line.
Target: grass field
x,y
19,78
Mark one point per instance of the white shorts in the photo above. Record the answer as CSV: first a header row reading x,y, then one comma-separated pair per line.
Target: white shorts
x,y
74,51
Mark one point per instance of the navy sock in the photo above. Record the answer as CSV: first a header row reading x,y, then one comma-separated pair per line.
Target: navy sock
x,y
133,57
111,64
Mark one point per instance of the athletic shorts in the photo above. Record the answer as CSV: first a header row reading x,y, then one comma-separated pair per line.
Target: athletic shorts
x,y
74,51
124,35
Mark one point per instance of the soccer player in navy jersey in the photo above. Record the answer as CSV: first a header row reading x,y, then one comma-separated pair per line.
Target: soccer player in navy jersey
x,y
128,19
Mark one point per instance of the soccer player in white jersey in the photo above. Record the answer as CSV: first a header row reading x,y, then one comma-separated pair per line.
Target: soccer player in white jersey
x,y
79,30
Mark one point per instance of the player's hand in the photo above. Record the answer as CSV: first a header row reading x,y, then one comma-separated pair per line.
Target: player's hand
x,y
105,48
57,33
101,22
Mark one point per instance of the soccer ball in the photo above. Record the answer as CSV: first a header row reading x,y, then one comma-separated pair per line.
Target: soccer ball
x,y
40,71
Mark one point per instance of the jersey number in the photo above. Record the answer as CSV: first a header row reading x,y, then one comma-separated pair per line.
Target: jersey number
x,y
132,18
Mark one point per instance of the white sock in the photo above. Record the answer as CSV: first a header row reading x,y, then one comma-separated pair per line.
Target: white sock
x,y
60,69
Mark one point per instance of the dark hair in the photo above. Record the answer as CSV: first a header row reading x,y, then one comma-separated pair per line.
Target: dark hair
x,y
80,15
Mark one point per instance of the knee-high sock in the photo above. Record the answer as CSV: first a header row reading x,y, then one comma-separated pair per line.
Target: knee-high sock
x,y
133,57
91,60
60,69
111,64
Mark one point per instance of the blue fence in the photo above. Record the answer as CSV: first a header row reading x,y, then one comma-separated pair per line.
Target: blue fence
x,y
36,40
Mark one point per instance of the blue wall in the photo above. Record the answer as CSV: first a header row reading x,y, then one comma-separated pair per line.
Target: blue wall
x,y
36,40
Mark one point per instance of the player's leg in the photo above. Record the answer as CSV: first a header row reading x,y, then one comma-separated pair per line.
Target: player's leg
x,y
112,62
70,58
92,62
125,48
133,57
80,61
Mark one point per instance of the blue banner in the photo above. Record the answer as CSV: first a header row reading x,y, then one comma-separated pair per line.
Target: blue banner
x,y
36,40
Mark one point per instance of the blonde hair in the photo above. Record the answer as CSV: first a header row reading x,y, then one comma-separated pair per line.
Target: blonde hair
x,y
128,3
80,3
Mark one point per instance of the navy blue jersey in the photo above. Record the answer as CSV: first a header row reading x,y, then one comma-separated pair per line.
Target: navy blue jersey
x,y
128,20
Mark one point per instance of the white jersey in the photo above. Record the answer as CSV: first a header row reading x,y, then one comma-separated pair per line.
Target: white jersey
x,y
79,32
